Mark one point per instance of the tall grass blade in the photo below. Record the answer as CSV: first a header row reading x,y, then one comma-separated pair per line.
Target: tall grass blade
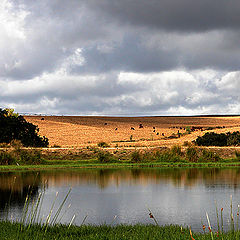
x,y
40,206
218,225
71,221
50,213
60,219
222,219
190,231
152,216
209,226
231,216
113,219
84,220
60,208
237,217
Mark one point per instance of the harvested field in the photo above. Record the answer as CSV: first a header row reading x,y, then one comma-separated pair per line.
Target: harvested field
x,y
75,131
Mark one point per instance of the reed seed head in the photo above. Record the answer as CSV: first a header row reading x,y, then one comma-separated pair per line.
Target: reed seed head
x,y
150,215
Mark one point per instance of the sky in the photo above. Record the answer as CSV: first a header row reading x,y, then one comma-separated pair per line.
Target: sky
x,y
120,57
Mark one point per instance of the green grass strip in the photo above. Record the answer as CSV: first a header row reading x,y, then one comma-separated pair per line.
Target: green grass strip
x,y
87,232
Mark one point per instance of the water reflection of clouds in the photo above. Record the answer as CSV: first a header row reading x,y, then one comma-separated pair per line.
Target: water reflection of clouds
x,y
176,196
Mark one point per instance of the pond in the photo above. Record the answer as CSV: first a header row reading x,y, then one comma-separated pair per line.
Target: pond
x,y
114,196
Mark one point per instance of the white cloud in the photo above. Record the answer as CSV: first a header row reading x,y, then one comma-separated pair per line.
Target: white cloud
x,y
126,93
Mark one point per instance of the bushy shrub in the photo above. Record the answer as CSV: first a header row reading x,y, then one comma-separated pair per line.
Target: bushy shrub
x,y
188,129
136,156
15,127
103,144
174,154
191,154
237,154
186,143
163,156
7,158
176,150
29,156
5,145
208,156
20,157
16,144
104,157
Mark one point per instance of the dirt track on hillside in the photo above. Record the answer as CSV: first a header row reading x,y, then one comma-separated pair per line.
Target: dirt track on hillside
x,y
71,131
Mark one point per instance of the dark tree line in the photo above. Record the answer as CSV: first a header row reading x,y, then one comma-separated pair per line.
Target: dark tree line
x,y
221,139
15,127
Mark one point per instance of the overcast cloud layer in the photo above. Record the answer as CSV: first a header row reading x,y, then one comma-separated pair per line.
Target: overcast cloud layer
x,y
120,57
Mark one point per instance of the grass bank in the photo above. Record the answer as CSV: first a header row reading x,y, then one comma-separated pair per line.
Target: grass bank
x,y
76,165
10,230
18,158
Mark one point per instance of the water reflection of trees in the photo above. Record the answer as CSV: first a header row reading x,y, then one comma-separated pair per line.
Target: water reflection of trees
x,y
107,177
14,188
176,176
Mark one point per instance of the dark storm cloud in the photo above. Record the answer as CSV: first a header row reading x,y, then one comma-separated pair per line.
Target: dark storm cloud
x,y
129,55
173,15
142,36
165,52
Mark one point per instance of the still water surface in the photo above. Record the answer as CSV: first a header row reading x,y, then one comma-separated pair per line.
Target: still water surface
x,y
175,196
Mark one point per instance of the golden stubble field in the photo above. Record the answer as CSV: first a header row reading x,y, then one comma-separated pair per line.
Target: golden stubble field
x,y
76,131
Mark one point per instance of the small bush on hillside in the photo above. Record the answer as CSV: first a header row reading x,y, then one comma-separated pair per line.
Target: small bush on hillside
x,y
56,146
103,144
186,143
188,129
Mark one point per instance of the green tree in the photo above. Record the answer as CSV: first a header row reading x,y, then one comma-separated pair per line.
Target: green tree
x,y
14,126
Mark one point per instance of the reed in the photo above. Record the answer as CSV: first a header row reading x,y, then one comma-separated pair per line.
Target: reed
x,y
218,225
152,216
31,214
209,226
